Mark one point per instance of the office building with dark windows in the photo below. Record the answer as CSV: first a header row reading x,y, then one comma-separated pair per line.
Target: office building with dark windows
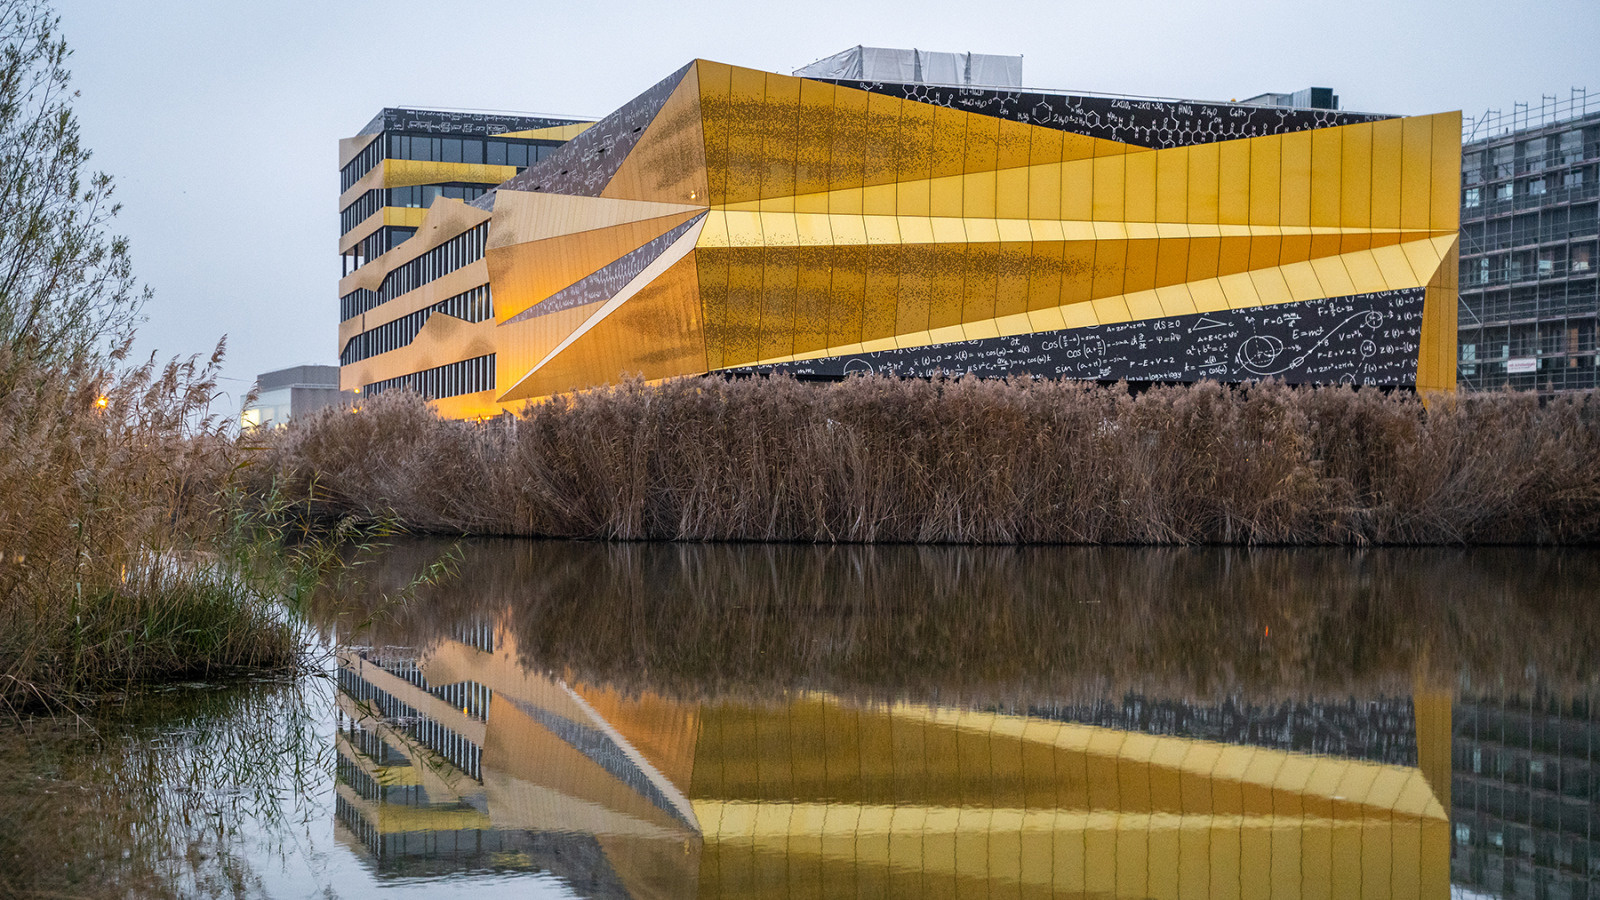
x,y
900,212
1529,264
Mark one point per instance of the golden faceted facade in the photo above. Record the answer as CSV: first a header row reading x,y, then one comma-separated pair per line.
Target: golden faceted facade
x,y
732,219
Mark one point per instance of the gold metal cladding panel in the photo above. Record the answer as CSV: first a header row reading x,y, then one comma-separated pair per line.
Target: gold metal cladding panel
x,y
525,274
816,120
881,159
741,325
916,285
1205,183
1445,195
982,284
1233,182
880,293
813,297
848,147
351,146
1295,168
711,264
780,274
745,120
1012,271
848,289
447,285
656,333
668,164
1355,174
521,345
1266,177
716,111
778,120
975,227
949,142
1140,266
407,172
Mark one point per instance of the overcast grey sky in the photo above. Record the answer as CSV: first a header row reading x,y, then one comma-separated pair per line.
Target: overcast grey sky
x,y
220,121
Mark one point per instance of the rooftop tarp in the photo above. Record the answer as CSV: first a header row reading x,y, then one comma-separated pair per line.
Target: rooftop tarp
x,y
918,67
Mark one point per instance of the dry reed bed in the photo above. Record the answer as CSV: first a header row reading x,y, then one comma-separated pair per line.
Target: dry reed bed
x,y
968,460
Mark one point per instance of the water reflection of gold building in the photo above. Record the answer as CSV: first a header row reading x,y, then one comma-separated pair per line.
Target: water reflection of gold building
x,y
815,796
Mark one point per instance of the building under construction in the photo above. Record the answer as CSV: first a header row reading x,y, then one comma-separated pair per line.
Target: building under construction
x,y
1528,255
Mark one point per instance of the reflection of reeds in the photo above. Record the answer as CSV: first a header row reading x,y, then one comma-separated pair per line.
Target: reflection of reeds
x,y
1007,624
175,794
972,461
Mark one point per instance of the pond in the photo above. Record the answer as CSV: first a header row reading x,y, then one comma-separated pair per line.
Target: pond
x,y
666,720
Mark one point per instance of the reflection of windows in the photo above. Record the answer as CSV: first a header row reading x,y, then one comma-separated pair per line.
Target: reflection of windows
x,y
1470,198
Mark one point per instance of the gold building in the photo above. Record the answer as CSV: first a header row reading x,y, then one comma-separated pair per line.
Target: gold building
x,y
732,220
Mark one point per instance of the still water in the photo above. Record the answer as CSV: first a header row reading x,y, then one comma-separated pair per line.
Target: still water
x,y
648,720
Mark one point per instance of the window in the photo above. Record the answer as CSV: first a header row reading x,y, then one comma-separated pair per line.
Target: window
x,y
1471,198
1582,257
1531,152
475,305
499,152
359,210
1547,261
1535,187
1572,178
1502,191
423,195
364,162
466,377
1569,147
398,236
1472,167
1502,161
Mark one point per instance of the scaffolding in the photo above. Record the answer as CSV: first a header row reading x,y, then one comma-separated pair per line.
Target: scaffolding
x,y
1529,255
